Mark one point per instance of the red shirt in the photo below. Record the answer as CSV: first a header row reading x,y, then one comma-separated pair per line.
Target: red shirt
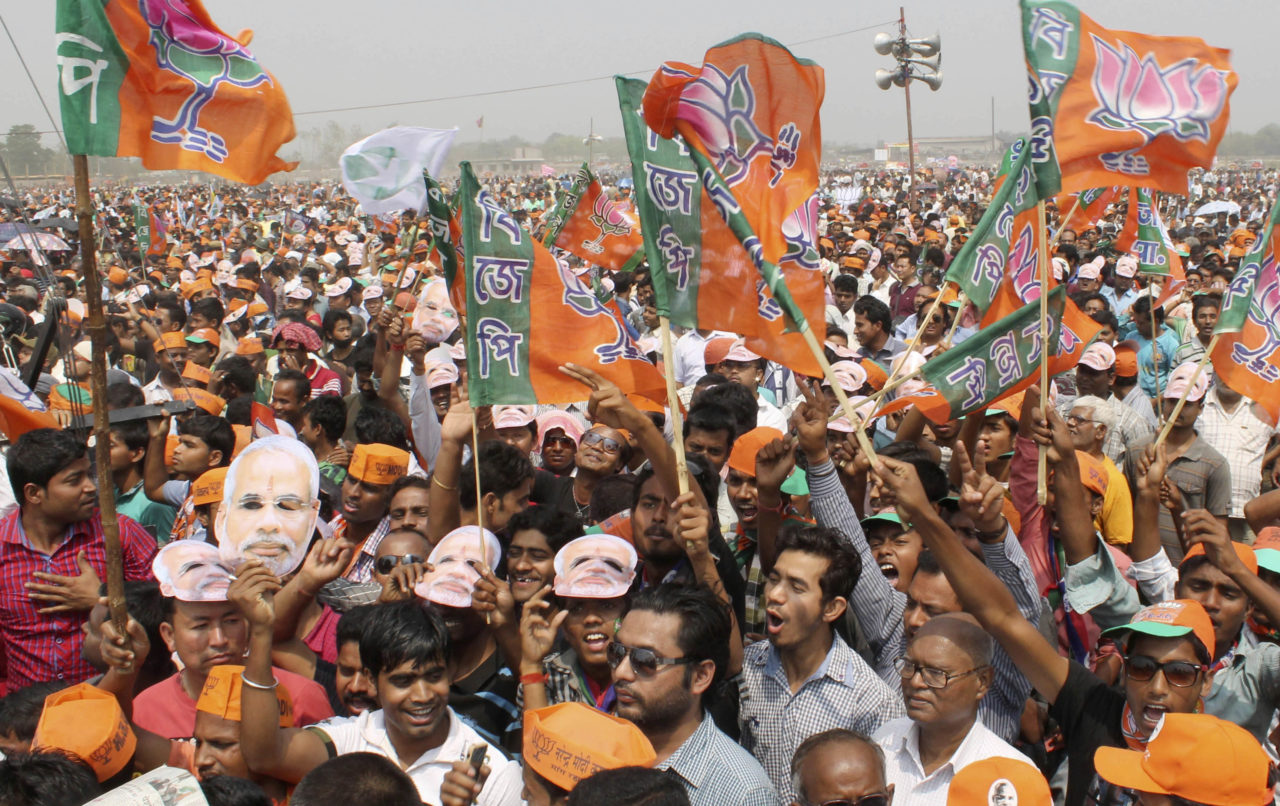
x,y
47,647
323,381
166,710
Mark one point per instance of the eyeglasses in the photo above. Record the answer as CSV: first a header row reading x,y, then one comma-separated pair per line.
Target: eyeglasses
x,y
608,444
388,562
1179,673
933,678
878,799
564,442
1075,419
646,662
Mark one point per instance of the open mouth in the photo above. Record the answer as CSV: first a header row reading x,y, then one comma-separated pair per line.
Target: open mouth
x,y
525,580
420,717
595,641
890,573
773,622
1152,714
747,513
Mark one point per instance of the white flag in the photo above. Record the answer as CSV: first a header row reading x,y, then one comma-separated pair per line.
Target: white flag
x,y
384,170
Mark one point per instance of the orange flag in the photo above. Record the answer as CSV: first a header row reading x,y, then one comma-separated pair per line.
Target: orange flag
x,y
752,110
158,79
1118,107
589,224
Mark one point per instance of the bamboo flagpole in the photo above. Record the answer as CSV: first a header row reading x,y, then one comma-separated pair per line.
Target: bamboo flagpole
x,y
673,403
845,405
1042,467
1182,401
97,327
911,346
955,323
475,464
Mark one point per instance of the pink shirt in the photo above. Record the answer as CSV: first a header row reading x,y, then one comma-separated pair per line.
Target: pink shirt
x,y
323,638
166,710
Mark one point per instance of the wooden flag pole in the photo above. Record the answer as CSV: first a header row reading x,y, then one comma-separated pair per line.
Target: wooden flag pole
x,y
97,327
1182,401
673,403
475,464
915,342
845,405
955,323
1042,477
1155,352
1062,222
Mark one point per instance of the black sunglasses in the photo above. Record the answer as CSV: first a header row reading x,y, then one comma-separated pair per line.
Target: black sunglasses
x,y
645,661
1179,673
388,562
609,444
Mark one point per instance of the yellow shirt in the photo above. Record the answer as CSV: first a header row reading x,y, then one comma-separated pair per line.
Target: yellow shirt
x,y
1115,524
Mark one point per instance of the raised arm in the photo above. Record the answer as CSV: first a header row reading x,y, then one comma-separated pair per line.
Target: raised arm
x,y
124,659
774,463
446,477
154,473
1264,510
692,528
283,753
1206,529
979,591
1075,521
325,562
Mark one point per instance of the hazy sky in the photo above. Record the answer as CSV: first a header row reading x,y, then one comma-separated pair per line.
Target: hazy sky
x,y
340,53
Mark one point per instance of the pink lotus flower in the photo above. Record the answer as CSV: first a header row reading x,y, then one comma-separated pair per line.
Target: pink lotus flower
x,y
721,109
1137,94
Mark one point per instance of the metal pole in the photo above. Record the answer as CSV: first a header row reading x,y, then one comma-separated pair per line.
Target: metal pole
x,y
906,92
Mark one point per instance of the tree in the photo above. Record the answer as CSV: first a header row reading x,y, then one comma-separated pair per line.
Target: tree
x,y
24,153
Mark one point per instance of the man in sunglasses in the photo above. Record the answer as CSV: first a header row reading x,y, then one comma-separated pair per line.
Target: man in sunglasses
x,y
1167,651
945,673
840,768
670,651
1220,574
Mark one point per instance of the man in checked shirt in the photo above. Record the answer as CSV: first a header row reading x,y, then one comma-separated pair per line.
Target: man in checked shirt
x,y
52,556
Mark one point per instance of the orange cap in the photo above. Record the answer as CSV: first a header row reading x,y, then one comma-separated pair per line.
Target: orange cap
x,y
1126,360
195,372
1173,619
173,340
205,400
1009,404
375,463
202,284
86,722
714,351
117,276
244,435
1195,757
221,695
174,262
205,334
1093,473
208,488
876,376
568,742
1245,553
743,456
249,346
999,780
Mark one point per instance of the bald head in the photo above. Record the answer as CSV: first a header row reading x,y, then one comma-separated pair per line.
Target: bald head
x,y
838,764
962,630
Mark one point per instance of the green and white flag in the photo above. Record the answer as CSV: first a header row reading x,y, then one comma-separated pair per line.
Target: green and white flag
x,y
384,170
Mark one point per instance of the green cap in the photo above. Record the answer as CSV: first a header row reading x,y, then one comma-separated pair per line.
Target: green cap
x,y
884,517
1268,559
796,484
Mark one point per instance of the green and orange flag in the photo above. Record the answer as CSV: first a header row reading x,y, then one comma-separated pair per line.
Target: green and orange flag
x,y
1092,206
587,223
1144,235
1247,357
1118,107
158,79
1005,242
527,314
702,274
999,360
748,139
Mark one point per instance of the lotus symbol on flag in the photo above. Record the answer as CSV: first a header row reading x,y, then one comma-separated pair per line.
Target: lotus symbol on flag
x,y
208,59
607,217
1265,312
721,109
1137,94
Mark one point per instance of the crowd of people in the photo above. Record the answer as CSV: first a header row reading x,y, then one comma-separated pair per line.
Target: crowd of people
x,y
345,583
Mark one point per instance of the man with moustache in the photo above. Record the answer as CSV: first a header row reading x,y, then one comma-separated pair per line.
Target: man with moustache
x,y
945,673
672,649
